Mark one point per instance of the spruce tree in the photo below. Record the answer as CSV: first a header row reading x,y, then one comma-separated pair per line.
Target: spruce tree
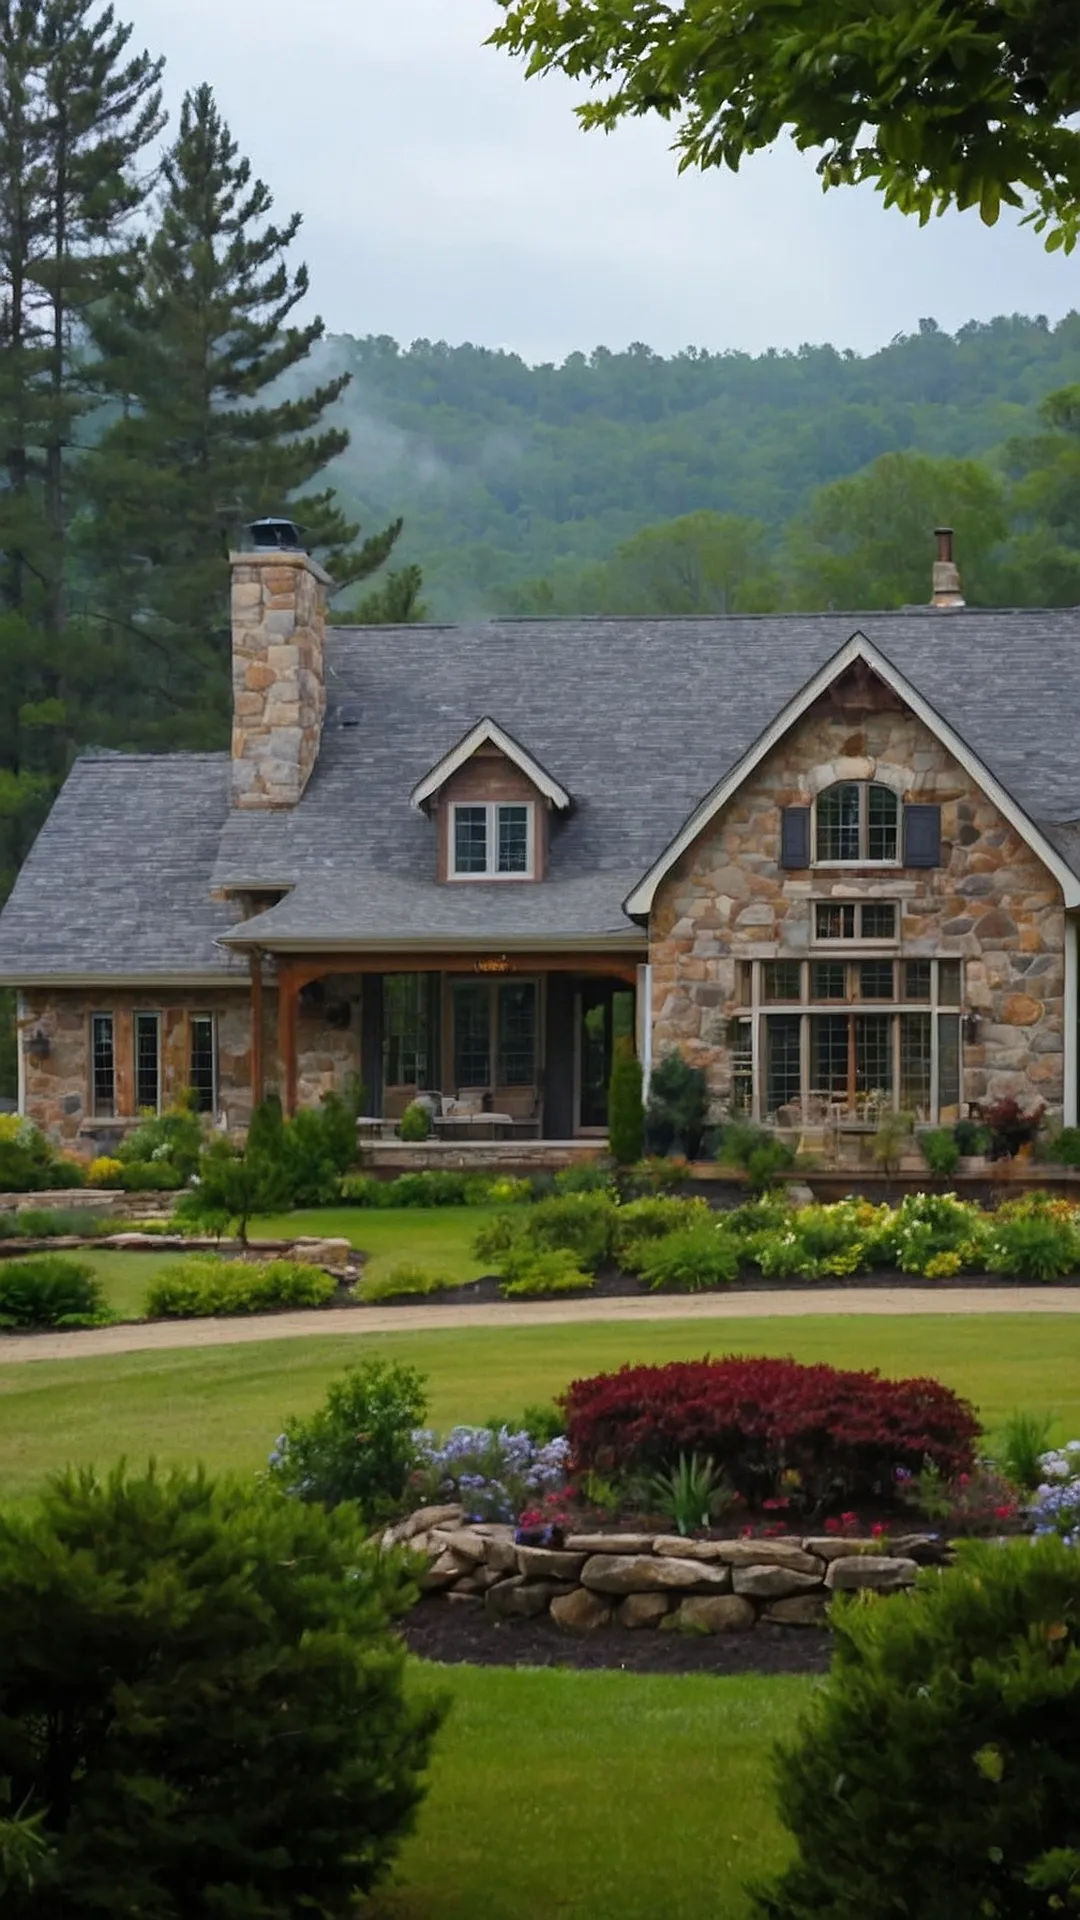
x,y
215,428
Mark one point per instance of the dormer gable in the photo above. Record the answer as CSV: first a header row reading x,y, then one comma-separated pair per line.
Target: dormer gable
x,y
491,802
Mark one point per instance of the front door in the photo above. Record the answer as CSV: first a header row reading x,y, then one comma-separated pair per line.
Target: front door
x,y
605,1015
494,1044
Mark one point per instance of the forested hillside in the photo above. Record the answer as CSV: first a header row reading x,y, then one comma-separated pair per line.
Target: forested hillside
x,y
507,473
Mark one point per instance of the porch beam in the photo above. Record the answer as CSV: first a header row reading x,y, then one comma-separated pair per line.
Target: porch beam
x,y
257,1072
308,967
290,983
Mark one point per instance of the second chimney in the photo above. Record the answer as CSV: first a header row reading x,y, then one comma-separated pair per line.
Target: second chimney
x,y
279,685
946,591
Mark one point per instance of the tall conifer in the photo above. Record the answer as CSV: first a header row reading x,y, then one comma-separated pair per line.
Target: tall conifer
x,y
192,345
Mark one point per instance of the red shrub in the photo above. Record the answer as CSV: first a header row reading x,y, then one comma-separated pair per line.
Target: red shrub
x,y
844,1434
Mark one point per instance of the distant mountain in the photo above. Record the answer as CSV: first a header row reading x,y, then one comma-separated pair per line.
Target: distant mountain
x,y
505,472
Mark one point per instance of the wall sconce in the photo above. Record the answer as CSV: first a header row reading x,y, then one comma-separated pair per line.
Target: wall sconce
x,y
971,1028
36,1044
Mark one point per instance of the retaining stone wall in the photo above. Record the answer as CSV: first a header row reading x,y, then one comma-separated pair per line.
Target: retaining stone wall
x,y
655,1580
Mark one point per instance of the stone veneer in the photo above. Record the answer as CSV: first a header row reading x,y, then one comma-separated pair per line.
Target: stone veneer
x,y
279,690
656,1580
991,903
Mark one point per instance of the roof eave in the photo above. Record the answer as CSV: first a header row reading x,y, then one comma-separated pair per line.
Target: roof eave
x,y
244,939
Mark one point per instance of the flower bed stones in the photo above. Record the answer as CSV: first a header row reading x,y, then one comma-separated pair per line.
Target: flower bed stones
x,y
654,1580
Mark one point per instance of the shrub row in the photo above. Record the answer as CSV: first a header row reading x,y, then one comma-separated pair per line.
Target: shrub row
x,y
190,1289
826,1433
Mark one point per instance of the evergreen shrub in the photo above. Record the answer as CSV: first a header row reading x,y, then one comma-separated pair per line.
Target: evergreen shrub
x,y
172,1141
416,1123
937,1772
50,1290
581,1176
1064,1147
626,1111
359,1444
678,1109
940,1150
582,1223
194,1288
28,1163
405,1279
692,1260
535,1275
53,1223
204,1702
844,1434
651,1217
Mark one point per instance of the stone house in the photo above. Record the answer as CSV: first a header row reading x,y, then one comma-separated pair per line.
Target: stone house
x,y
833,858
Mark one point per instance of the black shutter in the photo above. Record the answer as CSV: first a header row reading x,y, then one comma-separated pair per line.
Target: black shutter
x,y
795,836
922,836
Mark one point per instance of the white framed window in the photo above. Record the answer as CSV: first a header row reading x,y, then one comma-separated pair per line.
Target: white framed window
x,y
857,823
869,923
492,840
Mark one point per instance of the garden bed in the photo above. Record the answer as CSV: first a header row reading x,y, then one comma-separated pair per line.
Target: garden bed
x,y
456,1635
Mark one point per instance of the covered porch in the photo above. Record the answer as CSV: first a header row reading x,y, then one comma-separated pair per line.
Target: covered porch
x,y
510,1047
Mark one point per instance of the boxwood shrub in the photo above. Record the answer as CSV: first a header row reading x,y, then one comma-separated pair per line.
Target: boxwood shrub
x,y
828,1434
193,1288
50,1290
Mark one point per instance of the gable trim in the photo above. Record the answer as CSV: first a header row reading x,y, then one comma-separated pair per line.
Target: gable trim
x,y
488,732
638,904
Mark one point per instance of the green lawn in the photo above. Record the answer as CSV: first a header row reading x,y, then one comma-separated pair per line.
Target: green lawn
x,y
225,1404
595,1796
437,1237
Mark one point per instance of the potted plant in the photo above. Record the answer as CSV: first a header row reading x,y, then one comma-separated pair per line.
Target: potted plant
x,y
1011,1129
974,1140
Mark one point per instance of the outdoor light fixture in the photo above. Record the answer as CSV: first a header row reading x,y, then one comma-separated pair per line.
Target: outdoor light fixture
x,y
36,1044
971,1028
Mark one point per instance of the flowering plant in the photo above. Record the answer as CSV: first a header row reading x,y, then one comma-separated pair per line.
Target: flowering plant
x,y
494,1472
1056,1506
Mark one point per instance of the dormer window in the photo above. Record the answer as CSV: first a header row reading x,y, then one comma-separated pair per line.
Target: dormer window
x,y
492,840
858,822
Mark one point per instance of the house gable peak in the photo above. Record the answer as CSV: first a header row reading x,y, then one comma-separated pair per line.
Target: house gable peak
x,y
487,733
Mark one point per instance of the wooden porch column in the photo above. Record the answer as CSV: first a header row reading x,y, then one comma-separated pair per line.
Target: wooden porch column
x,y
255,963
288,999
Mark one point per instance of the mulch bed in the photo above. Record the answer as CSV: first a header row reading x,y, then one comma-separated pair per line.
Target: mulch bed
x,y
455,1634
613,1285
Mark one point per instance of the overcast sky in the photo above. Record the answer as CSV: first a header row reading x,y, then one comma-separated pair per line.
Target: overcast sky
x,y
445,196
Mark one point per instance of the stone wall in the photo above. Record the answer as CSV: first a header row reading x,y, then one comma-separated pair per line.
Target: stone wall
x,y
656,1580
279,692
58,1086
990,903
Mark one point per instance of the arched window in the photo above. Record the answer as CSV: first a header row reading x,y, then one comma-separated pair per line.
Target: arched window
x,y
857,820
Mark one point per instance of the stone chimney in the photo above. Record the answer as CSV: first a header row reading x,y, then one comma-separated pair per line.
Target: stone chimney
x,y
278,647
946,591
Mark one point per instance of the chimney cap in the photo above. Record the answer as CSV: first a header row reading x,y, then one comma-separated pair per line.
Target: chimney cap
x,y
274,534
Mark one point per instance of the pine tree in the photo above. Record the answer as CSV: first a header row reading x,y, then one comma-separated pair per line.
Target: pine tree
x,y
215,428
76,112
396,603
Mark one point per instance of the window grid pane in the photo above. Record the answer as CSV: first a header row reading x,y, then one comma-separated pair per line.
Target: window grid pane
x,y
838,811
948,1061
103,1065
829,1054
873,1053
949,983
916,980
876,980
406,1013
781,980
470,839
202,1077
517,1035
472,1036
782,1051
878,920
828,980
147,1062
915,1064
834,920
513,828
883,813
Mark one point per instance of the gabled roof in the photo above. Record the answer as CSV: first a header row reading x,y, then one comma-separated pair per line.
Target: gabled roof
x,y
488,732
639,902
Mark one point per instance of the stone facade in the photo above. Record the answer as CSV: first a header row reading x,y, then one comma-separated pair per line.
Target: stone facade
x,y
279,690
991,903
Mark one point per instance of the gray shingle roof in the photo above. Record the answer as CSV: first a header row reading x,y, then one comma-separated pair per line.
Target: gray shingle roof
x,y
637,718
118,880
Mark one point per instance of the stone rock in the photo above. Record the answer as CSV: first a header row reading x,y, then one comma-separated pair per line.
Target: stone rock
x,y
608,1543
673,1546
518,1598
879,1571
442,1572
799,1610
719,1613
775,1583
769,1553
581,1610
465,1599
425,1518
544,1563
642,1609
1020,1010
471,1546
921,1547
798,1194
641,1573
502,1555
324,1253
830,1547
